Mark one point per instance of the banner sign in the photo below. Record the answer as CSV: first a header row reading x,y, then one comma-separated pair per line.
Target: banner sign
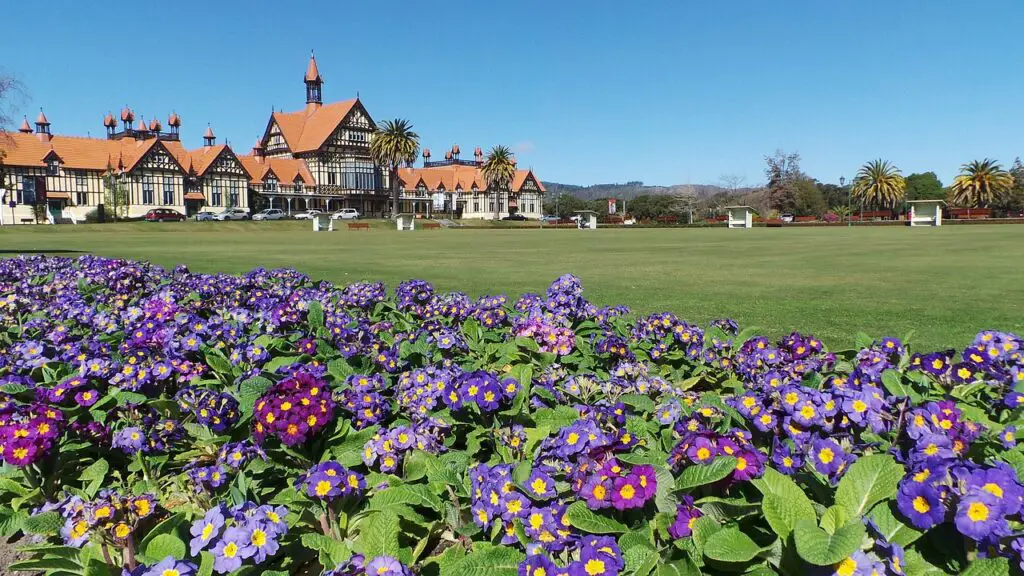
x,y
611,205
438,201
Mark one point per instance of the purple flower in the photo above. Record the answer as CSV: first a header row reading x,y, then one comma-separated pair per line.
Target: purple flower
x,y
627,493
131,440
231,550
597,493
686,514
386,566
262,540
171,567
540,485
206,530
921,504
980,516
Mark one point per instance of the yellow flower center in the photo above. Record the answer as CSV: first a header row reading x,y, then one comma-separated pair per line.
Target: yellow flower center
x,y
627,491
921,505
826,455
230,550
993,489
594,567
977,512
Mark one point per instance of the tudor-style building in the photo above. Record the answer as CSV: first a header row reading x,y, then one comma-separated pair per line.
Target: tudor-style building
x,y
327,152
314,158
134,169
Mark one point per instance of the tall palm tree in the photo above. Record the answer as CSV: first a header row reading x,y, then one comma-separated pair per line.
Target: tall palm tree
x,y
499,170
879,183
393,143
981,182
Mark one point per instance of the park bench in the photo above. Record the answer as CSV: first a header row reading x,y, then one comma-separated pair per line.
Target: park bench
x,y
668,219
970,213
431,225
876,215
613,220
805,218
358,226
28,220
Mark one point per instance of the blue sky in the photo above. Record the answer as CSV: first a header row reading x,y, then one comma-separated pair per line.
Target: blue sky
x,y
585,91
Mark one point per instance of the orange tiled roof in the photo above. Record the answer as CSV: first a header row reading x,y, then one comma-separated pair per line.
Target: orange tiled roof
x,y
307,129
98,154
287,170
457,175
312,73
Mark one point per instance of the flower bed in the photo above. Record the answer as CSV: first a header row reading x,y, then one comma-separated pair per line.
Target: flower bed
x,y
166,423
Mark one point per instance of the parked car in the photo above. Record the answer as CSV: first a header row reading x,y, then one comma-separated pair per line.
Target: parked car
x,y
787,218
232,214
346,214
550,219
519,217
306,214
164,215
205,216
269,214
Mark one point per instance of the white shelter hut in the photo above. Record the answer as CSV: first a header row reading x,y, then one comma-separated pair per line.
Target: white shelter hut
x,y
740,216
926,212
587,219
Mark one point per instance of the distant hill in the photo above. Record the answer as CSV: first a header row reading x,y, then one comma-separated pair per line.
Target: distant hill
x,y
631,190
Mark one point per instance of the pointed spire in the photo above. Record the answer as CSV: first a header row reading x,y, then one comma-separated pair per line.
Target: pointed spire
x,y
209,139
208,133
41,119
312,72
25,128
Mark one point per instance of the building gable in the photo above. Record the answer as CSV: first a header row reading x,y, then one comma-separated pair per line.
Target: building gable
x,y
227,163
274,141
158,158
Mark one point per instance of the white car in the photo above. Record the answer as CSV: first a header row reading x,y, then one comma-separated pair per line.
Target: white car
x,y
346,214
205,216
269,214
307,214
232,214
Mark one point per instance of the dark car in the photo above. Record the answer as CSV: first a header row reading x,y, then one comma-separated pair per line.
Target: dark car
x,y
164,215
514,217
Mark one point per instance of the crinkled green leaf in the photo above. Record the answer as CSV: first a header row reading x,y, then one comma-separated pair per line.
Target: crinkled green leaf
x,y
869,480
730,545
695,475
591,522
820,548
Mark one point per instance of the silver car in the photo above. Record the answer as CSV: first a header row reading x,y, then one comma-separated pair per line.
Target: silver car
x,y
269,214
306,214
204,216
346,214
232,214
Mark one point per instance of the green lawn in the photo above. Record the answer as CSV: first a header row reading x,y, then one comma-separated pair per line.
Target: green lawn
x,y
943,284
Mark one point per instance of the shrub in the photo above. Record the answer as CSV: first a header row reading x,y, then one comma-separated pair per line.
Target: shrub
x,y
164,422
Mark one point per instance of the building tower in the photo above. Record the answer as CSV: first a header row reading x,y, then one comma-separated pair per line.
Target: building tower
x,y
314,84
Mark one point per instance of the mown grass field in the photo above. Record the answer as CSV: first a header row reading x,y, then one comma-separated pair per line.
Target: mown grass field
x,y
943,284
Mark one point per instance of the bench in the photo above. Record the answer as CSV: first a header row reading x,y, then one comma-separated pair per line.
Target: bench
x,y
28,220
805,218
970,213
431,225
613,220
358,226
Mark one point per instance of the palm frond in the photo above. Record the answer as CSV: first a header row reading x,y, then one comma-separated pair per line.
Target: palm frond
x,y
981,182
880,183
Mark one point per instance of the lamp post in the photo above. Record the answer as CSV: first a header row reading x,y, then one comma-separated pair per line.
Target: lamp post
x,y
849,202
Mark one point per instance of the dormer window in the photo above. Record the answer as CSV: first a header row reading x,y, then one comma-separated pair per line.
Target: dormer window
x,y
270,184
53,167
298,186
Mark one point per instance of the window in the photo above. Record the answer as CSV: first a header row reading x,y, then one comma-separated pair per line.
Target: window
x,y
215,194
81,198
476,204
53,167
298,187
27,194
168,190
491,204
332,179
233,195
80,180
532,206
270,185
147,189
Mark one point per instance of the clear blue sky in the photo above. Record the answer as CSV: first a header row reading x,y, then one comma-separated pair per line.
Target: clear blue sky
x,y
585,91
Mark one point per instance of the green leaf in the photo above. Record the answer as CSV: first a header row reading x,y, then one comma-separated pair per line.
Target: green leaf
x,y
8,485
588,521
411,494
249,392
730,545
988,567
380,536
280,361
45,564
315,314
164,545
696,475
638,401
684,567
216,360
820,548
44,524
894,384
206,560
833,519
703,528
862,340
784,502
94,475
328,548
340,369
124,397
10,521
869,480
892,528
490,561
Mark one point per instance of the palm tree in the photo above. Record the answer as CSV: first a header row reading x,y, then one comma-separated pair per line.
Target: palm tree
x,y
879,183
393,143
499,170
981,182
